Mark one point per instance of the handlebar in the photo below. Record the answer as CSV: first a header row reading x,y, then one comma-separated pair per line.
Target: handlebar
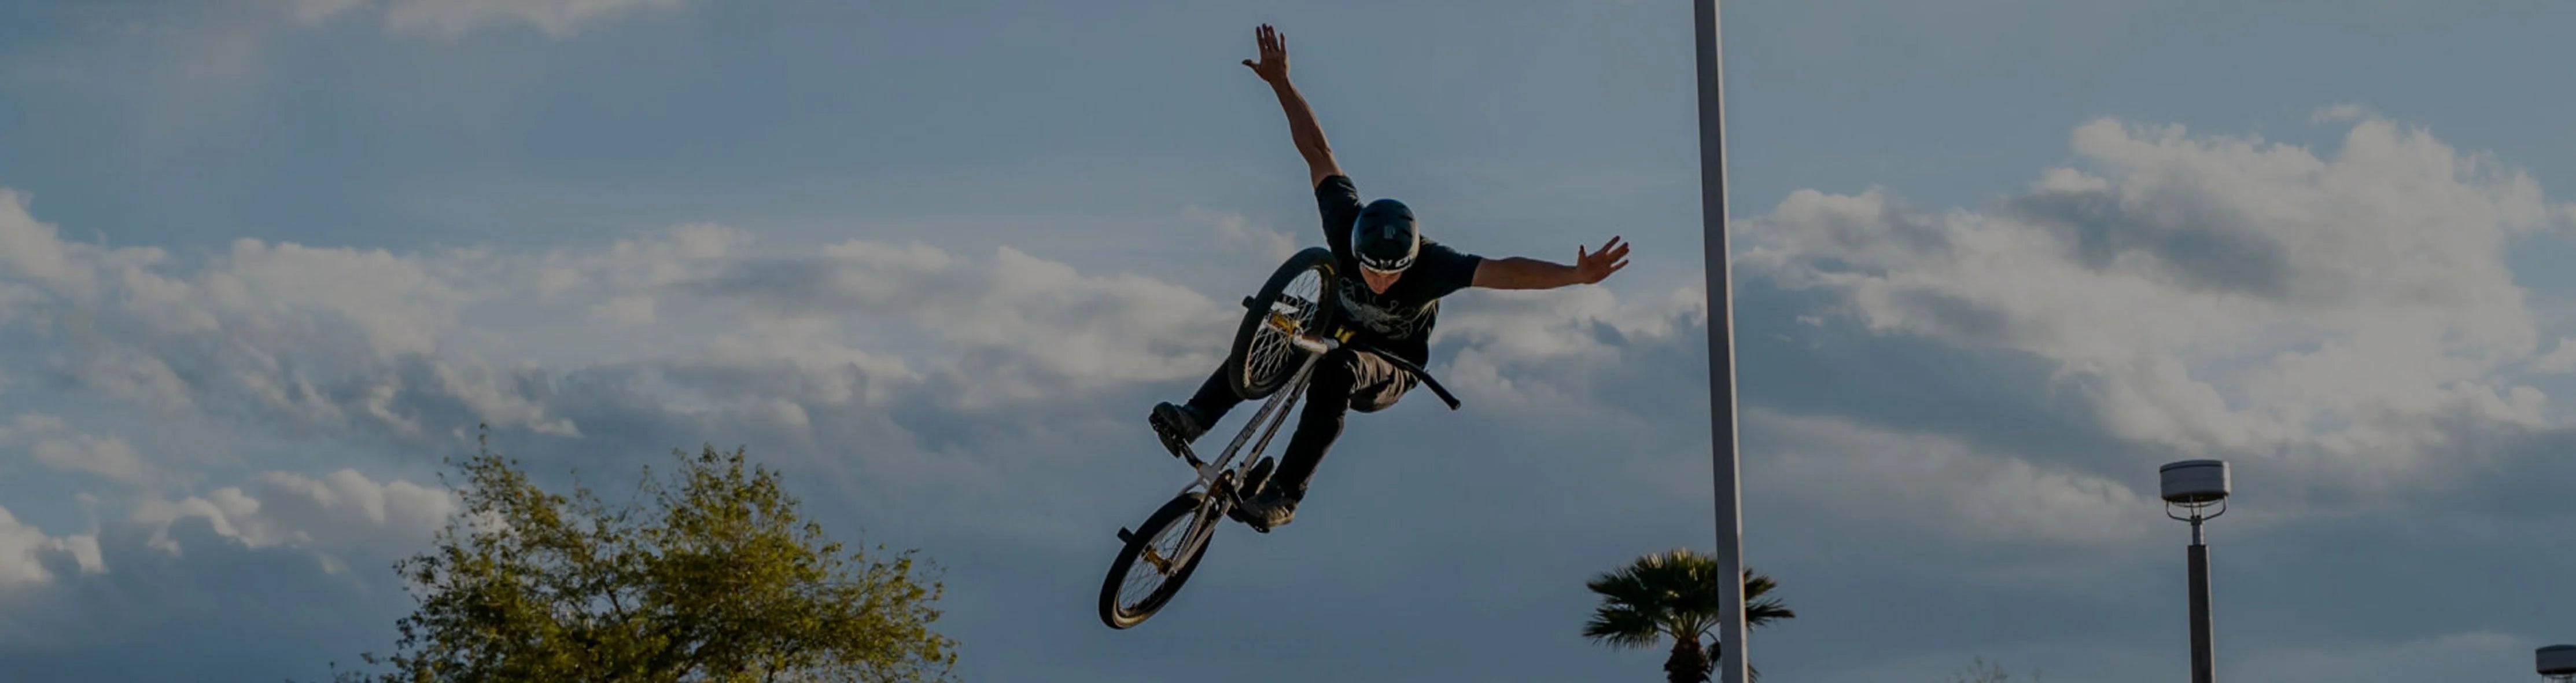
x,y
1316,344
1417,371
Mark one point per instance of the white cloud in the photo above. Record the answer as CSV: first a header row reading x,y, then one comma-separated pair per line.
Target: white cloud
x,y
1938,486
340,514
2216,295
124,372
28,425
31,248
448,19
25,550
1088,328
1010,327
395,303
1263,245
108,457
315,335
1557,325
1551,352
630,310
310,11
2561,357
371,341
635,266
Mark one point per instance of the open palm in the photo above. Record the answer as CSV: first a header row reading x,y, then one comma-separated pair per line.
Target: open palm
x,y
1273,66
1592,266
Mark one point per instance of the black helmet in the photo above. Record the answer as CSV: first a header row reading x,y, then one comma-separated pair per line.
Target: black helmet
x,y
1384,238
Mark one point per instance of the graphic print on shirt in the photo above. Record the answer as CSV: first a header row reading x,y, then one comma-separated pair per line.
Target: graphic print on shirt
x,y
1382,314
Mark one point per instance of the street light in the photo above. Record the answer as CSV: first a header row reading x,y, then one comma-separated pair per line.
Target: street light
x,y
2194,486
1721,344
2557,663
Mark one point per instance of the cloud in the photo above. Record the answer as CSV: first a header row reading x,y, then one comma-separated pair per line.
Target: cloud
x,y
29,424
1578,353
987,404
311,11
82,624
34,250
449,19
629,310
29,556
804,350
1260,244
1009,327
2560,359
2216,295
340,514
679,253
1930,484
108,457
333,338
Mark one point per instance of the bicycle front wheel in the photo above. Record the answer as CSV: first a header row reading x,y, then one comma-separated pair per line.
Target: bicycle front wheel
x,y
1150,569
1298,299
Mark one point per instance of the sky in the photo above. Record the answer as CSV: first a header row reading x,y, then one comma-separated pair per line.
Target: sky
x,y
263,263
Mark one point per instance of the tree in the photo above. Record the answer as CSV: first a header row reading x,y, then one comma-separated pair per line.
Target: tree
x,y
1982,671
1674,595
718,579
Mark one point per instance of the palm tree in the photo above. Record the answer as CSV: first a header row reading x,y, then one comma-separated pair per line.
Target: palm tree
x,y
1674,595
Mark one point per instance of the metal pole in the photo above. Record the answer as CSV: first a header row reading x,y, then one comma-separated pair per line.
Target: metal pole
x,y
1721,347
2203,670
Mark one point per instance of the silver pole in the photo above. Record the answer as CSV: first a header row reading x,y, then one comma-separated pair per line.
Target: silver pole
x,y
1721,348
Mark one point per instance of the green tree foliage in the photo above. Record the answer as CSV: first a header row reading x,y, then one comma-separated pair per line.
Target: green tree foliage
x,y
1675,595
717,579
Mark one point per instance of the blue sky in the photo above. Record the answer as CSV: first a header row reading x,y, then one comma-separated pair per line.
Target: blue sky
x,y
261,260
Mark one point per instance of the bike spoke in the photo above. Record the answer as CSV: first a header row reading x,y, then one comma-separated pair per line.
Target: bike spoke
x,y
1159,561
1271,349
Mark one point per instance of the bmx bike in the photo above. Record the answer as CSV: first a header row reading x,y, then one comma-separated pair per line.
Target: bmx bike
x,y
1287,328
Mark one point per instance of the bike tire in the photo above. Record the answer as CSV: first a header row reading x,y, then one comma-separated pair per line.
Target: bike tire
x,y
1182,512
1261,360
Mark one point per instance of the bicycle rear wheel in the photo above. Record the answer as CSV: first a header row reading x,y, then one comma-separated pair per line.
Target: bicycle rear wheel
x,y
1300,297
1148,572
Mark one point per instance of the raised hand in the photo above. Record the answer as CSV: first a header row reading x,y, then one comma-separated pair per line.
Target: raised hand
x,y
1592,267
1273,66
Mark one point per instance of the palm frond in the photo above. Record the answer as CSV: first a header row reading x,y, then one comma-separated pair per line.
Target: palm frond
x,y
1622,627
1674,593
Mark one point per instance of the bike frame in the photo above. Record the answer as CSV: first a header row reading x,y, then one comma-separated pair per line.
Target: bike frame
x,y
1266,421
1224,480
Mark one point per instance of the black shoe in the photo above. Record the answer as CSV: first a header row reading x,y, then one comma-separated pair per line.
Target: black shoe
x,y
1270,509
1177,425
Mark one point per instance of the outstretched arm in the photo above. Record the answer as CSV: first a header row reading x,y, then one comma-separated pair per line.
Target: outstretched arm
x,y
1528,273
1273,69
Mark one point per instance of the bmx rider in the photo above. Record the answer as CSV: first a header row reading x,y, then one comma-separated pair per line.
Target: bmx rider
x,y
1392,303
